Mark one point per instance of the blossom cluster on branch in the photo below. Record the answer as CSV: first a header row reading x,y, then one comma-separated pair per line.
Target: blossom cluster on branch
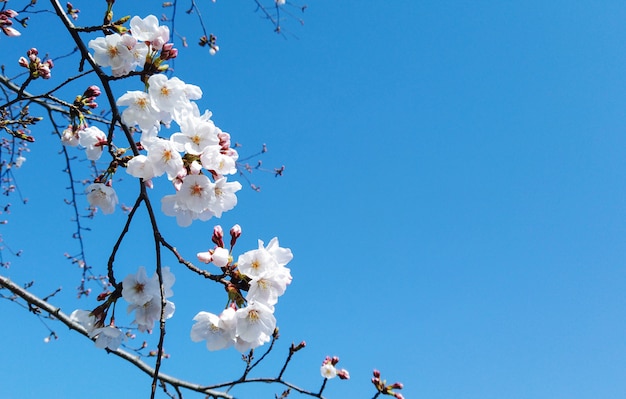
x,y
164,133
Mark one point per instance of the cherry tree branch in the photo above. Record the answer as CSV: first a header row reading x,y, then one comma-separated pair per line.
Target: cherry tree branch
x,y
55,312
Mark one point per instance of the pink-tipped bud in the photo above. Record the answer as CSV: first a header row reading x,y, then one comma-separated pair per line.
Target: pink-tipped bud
x,y
32,54
218,236
10,13
295,348
23,62
205,257
334,360
376,373
398,395
224,140
343,374
235,233
397,385
92,91
11,32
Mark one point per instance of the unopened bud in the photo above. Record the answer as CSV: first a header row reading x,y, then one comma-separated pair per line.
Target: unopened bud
x,y
334,360
218,236
92,91
295,348
397,385
205,257
235,233
376,373
343,374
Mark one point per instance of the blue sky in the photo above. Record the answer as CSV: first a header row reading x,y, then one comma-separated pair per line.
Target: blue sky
x,y
453,195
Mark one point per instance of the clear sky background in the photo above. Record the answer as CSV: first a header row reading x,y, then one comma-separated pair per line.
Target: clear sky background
x,y
453,195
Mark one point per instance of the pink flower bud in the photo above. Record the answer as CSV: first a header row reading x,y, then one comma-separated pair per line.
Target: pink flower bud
x,y
10,13
11,32
205,257
92,91
398,395
218,236
397,385
23,62
334,360
343,374
235,233
376,373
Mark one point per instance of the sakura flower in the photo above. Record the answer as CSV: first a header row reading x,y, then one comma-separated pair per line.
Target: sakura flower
x,y
225,198
213,159
170,207
144,296
70,137
102,196
148,30
257,262
196,134
328,371
282,255
141,167
244,346
108,337
196,193
219,332
110,51
84,318
164,158
167,94
138,288
219,256
254,321
149,312
266,289
140,110
94,140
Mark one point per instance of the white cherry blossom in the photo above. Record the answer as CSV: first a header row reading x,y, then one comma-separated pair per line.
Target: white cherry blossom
x,y
141,167
108,337
94,140
254,321
138,289
163,157
102,196
140,110
219,332
225,198
110,51
167,94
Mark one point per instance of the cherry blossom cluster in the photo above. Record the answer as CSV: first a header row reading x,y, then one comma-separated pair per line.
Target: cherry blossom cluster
x,y
247,322
36,67
109,336
147,43
188,157
387,389
6,23
329,369
144,296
